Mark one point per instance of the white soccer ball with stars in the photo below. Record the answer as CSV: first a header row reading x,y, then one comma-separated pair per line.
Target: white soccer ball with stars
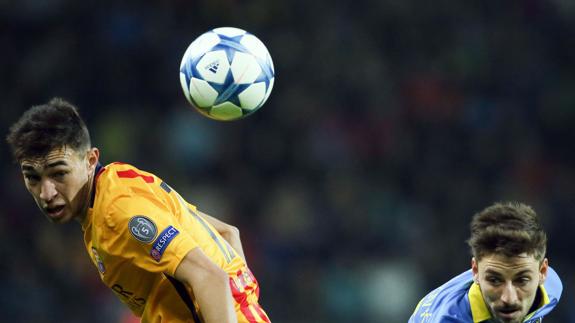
x,y
227,73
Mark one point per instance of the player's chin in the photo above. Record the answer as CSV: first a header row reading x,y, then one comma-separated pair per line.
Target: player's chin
x,y
54,220
510,317
63,216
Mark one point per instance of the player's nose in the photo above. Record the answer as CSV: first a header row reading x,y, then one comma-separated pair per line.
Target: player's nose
x,y
47,190
509,294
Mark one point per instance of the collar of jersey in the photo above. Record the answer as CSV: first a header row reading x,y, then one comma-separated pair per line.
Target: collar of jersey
x,y
97,172
99,169
479,310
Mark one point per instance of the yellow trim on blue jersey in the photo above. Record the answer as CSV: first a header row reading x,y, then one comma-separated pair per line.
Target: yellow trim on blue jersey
x,y
417,307
480,312
544,301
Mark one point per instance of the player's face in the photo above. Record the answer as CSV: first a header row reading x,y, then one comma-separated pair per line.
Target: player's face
x,y
509,284
60,182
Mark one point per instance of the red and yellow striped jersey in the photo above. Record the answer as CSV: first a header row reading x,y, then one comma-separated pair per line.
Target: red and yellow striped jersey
x,y
137,231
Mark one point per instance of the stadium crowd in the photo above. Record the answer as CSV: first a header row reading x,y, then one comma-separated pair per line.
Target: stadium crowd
x,y
390,124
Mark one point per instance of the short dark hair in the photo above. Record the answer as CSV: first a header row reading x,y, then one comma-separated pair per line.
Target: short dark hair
x,y
509,228
46,127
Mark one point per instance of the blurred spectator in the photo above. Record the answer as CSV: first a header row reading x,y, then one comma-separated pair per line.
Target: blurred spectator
x,y
390,124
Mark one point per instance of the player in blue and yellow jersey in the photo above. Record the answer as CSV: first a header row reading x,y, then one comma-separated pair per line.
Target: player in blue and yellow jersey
x,y
510,279
167,261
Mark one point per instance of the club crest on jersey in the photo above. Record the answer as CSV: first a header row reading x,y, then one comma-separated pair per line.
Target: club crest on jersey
x,y
142,228
162,242
98,260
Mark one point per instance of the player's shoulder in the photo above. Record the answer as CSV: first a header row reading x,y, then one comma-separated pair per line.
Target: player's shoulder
x,y
127,173
121,192
552,290
553,284
119,179
456,286
446,303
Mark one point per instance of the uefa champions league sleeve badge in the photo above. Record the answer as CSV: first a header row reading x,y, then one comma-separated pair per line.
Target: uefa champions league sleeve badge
x,y
142,228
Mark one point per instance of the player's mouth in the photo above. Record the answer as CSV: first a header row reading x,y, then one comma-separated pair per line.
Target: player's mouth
x,y
55,212
508,313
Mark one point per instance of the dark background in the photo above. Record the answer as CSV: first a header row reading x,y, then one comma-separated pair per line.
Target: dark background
x,y
390,123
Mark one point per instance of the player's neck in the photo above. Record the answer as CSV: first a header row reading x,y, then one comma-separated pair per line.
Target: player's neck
x,y
85,196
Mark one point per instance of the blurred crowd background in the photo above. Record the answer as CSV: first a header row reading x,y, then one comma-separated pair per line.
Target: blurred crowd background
x,y
390,124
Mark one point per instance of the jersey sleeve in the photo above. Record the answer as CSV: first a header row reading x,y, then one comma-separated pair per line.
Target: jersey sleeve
x,y
143,230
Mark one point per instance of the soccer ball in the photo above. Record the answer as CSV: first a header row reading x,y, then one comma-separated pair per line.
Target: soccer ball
x,y
227,73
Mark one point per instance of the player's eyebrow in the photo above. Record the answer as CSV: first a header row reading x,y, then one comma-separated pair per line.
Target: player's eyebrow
x,y
526,271
492,272
29,168
57,163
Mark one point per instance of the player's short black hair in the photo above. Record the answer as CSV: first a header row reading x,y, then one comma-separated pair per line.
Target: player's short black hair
x,y
509,229
46,127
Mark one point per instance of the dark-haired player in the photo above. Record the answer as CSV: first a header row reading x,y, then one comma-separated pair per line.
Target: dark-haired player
x,y
510,280
167,261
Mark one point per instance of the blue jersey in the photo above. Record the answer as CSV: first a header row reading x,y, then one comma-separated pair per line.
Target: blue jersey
x,y
460,300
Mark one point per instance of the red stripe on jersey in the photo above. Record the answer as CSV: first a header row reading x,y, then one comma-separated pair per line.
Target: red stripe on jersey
x,y
248,314
261,313
238,293
243,284
130,173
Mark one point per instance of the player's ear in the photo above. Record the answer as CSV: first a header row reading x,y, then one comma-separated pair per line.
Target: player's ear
x,y
93,157
543,271
475,270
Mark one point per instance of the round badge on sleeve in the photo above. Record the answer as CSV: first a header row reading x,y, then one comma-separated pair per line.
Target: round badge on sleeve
x,y
142,228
